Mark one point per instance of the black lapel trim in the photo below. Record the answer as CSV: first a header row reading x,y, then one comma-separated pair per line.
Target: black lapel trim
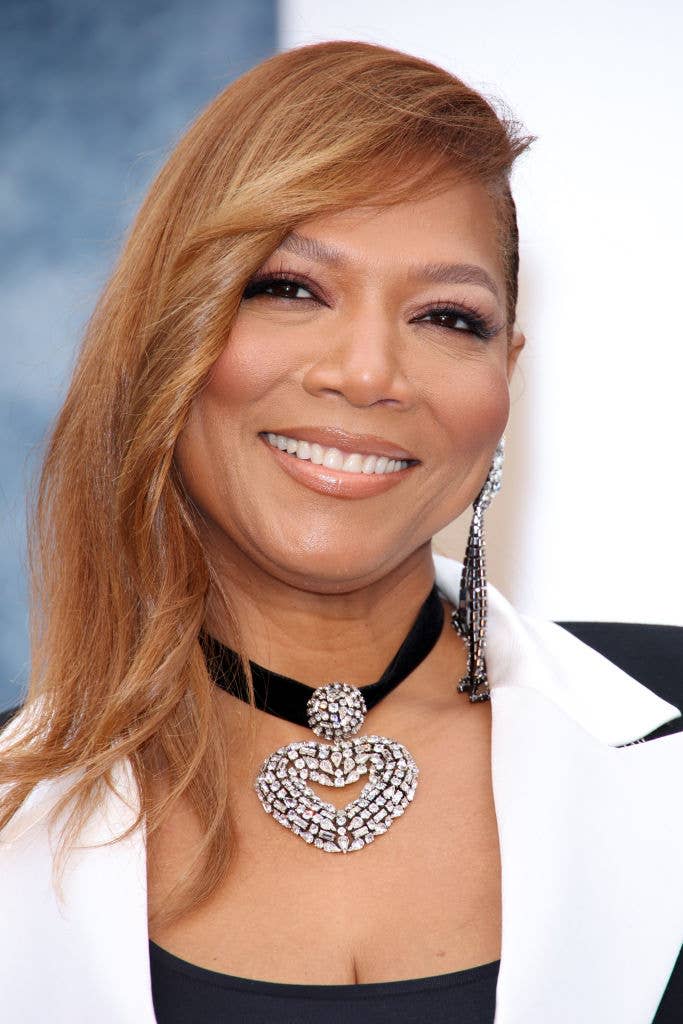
x,y
651,654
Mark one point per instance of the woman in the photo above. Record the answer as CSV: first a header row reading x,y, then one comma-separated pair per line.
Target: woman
x,y
298,374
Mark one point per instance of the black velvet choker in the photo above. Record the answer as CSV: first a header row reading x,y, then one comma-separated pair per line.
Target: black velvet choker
x,y
288,698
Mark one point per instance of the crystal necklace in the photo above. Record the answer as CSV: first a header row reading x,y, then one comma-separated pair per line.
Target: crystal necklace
x,y
335,712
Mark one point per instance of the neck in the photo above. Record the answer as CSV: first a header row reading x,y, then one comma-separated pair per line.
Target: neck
x,y
316,637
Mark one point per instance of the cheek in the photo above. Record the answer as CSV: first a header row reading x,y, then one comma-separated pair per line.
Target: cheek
x,y
246,369
473,408
241,375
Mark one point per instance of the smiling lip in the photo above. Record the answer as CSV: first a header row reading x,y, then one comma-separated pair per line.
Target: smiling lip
x,y
333,437
336,482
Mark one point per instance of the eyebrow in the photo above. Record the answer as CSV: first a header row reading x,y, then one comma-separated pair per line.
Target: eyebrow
x,y
439,273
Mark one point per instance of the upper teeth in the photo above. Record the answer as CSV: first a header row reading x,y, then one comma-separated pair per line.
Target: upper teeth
x,y
332,458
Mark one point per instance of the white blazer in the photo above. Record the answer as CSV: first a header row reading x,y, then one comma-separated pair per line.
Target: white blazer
x,y
591,843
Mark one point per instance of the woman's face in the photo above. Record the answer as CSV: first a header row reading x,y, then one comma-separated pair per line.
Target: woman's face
x,y
386,335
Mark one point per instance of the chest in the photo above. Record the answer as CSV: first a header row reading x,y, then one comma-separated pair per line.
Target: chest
x,y
423,899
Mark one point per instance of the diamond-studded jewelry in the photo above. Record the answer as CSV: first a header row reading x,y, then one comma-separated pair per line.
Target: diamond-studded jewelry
x,y
335,712
469,618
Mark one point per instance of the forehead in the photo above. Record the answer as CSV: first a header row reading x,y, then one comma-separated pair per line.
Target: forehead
x,y
449,235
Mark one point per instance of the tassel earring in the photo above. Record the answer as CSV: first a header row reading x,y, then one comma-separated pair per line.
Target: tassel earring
x,y
469,619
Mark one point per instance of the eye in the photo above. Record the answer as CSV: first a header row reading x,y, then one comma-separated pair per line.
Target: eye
x,y
451,318
278,286
463,320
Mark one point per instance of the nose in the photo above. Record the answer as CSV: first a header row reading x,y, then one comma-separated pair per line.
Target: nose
x,y
364,362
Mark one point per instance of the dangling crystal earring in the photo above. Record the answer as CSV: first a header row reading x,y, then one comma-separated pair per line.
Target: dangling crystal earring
x,y
469,618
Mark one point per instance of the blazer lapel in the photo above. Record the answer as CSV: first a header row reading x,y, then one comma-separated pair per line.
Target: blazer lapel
x,y
86,959
590,835
591,865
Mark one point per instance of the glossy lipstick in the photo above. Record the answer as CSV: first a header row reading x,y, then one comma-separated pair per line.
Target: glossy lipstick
x,y
333,437
337,482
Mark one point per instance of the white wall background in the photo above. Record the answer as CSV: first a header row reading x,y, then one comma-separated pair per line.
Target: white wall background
x,y
588,524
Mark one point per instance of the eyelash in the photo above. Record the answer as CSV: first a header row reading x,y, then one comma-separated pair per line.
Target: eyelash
x,y
479,324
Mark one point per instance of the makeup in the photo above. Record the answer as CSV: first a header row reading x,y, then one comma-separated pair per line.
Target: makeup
x,y
335,482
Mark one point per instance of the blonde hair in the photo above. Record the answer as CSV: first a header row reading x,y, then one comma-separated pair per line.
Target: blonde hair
x,y
119,577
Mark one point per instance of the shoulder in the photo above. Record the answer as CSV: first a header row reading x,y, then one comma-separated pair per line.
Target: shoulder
x,y
652,654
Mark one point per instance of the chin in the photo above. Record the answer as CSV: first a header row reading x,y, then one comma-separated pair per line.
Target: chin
x,y
330,569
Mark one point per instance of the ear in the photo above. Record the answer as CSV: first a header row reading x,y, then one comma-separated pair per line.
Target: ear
x,y
517,343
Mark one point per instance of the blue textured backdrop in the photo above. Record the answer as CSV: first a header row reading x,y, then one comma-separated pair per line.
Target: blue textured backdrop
x,y
95,96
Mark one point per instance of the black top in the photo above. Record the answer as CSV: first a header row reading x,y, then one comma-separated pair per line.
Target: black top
x,y
186,994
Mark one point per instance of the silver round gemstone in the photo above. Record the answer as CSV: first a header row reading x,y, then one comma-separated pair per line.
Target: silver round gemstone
x,y
336,710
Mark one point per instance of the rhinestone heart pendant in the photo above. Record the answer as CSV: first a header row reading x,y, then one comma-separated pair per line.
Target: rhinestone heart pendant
x,y
335,712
